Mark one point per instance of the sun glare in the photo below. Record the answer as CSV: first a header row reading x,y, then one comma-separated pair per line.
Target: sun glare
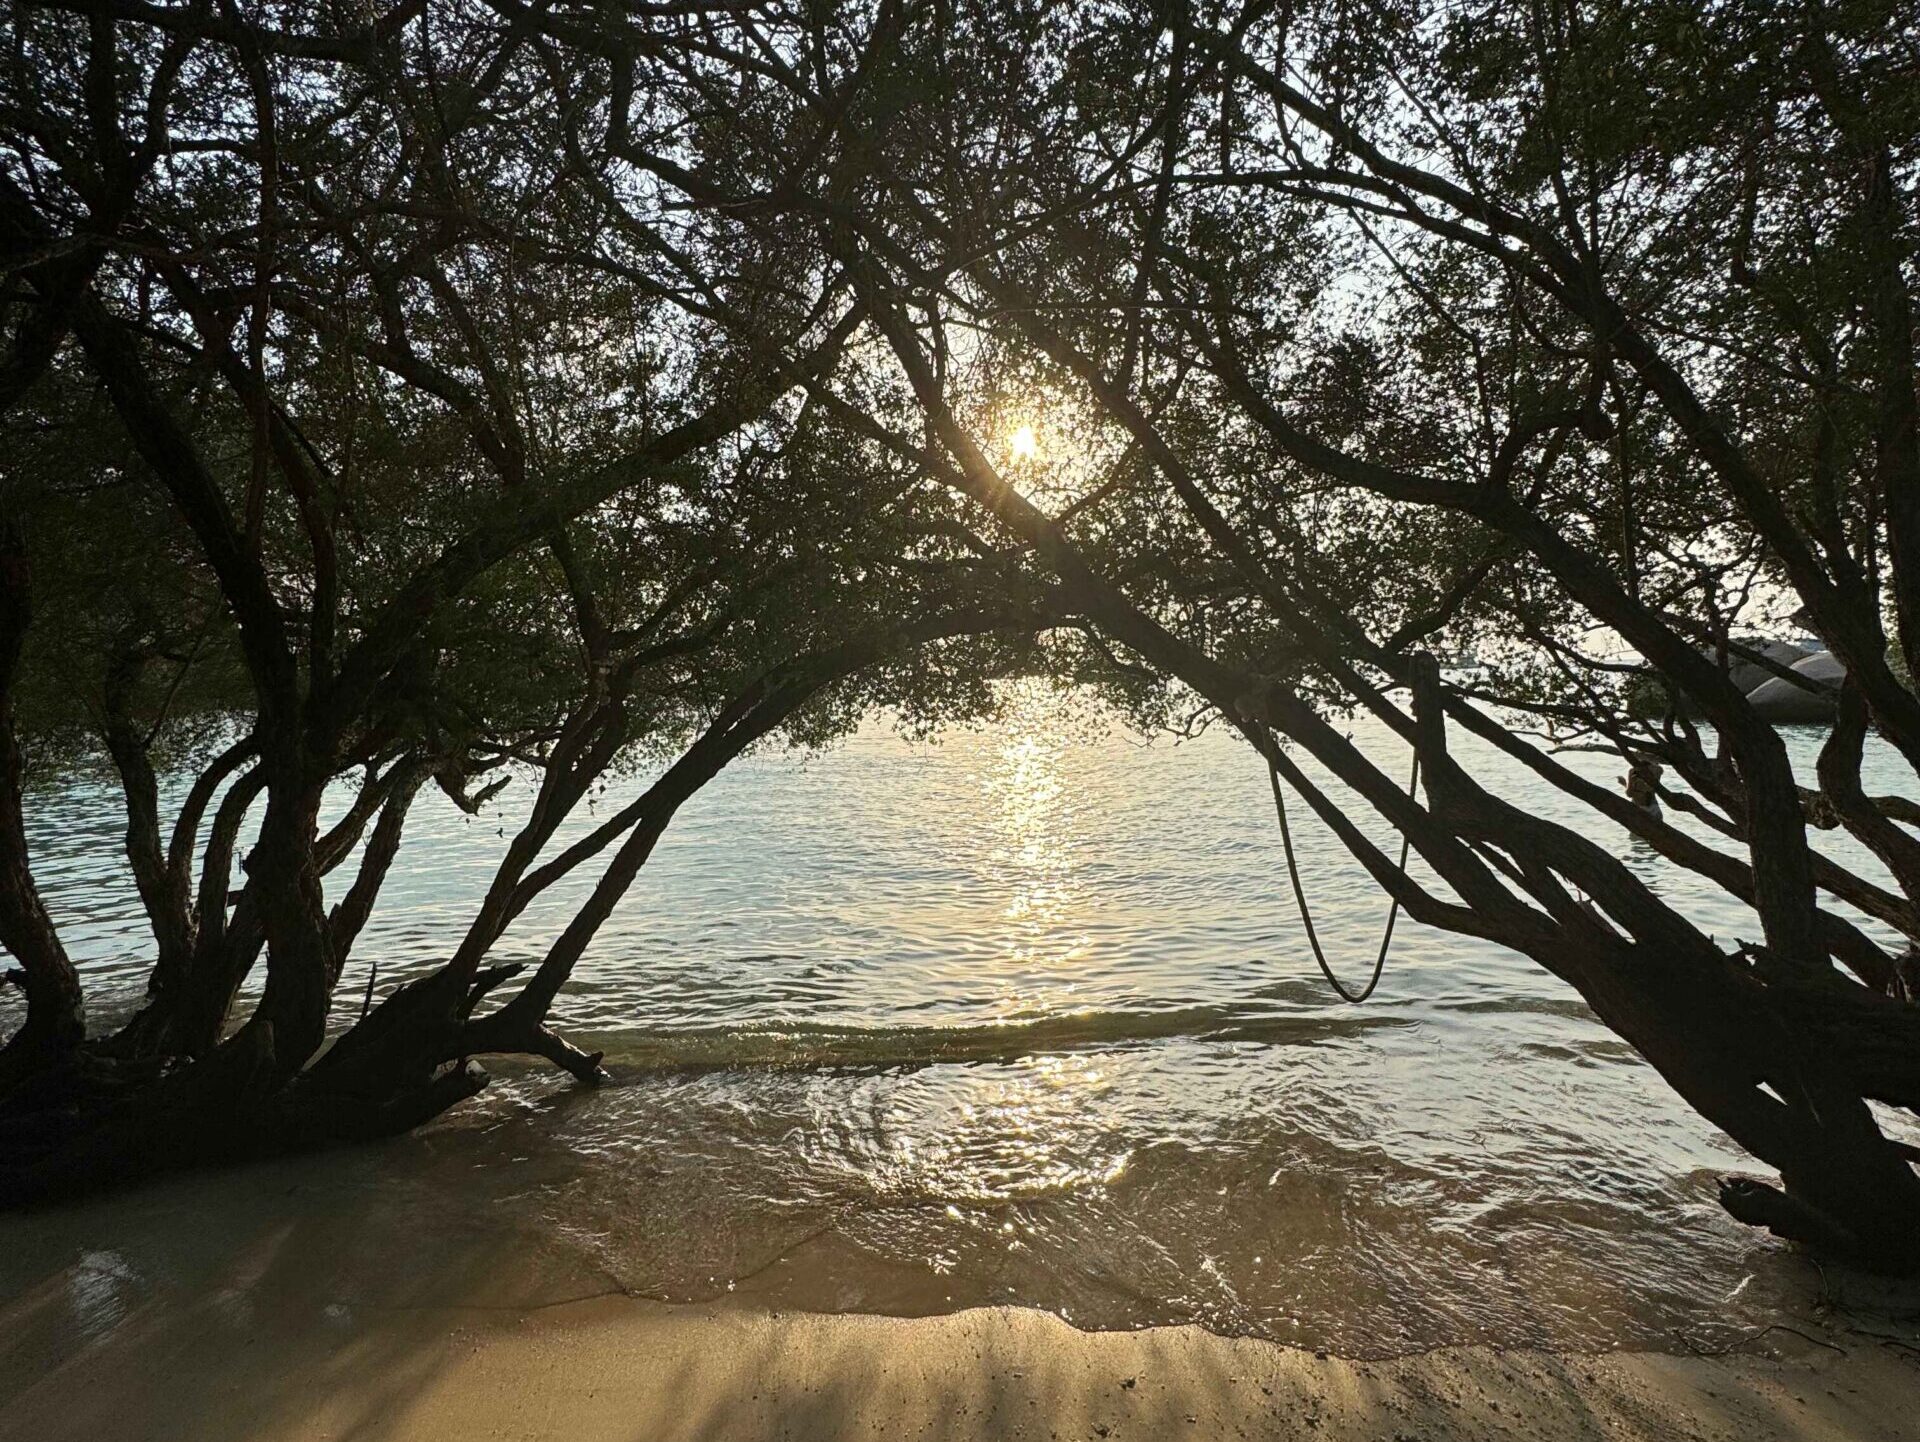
x,y
1023,444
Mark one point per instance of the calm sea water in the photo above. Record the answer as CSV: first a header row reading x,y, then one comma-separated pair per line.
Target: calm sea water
x,y
1027,1016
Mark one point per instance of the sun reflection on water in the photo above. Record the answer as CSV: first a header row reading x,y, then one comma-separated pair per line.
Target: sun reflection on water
x,y
1035,1127
1034,854
1004,1134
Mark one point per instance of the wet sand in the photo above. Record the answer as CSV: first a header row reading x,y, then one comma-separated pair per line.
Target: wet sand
x,y
321,1298
611,1368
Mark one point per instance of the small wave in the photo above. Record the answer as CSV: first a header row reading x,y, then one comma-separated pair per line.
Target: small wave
x,y
804,1046
1570,1008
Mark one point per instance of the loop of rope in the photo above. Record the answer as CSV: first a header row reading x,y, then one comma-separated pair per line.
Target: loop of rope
x,y
1300,895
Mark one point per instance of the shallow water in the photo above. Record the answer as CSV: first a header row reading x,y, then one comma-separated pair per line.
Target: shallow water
x,y
1027,1016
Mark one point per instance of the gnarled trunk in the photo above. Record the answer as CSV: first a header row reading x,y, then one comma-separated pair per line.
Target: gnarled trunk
x,y
56,1019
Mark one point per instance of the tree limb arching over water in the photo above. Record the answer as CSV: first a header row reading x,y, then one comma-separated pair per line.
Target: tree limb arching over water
x,y
498,387
393,437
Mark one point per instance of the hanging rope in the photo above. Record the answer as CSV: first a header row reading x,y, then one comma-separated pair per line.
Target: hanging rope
x,y
1300,895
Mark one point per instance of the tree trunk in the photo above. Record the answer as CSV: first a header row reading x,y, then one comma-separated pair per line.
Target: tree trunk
x,y
56,1020
1752,1060
286,877
164,889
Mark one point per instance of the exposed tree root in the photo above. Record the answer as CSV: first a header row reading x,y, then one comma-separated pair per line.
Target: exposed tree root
x,y
1761,1204
99,1120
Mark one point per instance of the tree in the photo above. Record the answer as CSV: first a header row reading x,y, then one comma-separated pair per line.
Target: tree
x,y
1579,336
1579,339
440,453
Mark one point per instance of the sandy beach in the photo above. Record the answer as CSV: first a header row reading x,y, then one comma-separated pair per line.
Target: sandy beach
x,y
325,1298
613,1369
295,1302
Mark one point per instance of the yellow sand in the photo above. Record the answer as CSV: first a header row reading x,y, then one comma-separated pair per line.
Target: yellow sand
x,y
320,1298
612,1369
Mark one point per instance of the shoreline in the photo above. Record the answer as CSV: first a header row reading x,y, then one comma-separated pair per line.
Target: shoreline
x,y
611,1368
335,1299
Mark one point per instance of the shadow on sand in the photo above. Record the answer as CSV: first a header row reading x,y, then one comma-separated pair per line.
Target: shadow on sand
x,y
314,1300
